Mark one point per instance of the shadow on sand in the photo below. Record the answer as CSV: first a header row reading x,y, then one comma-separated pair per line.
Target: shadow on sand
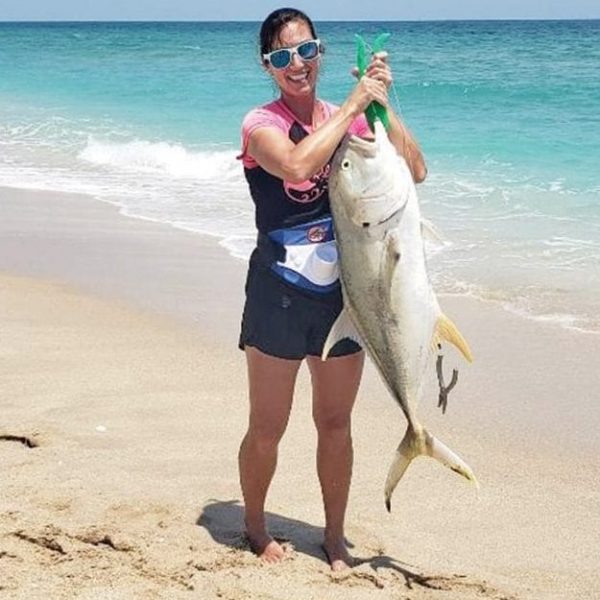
x,y
224,522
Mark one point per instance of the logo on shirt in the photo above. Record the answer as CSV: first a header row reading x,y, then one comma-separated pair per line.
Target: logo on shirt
x,y
311,189
317,234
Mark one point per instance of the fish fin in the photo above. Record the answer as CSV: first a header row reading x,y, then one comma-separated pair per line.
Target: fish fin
x,y
390,261
430,231
341,329
445,329
415,444
447,457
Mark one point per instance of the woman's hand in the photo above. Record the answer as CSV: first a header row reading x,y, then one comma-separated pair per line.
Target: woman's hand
x,y
367,90
380,70
377,71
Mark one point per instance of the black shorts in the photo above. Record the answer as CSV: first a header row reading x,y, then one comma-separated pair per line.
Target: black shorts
x,y
284,321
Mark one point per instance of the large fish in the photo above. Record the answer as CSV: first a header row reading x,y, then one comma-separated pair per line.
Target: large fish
x,y
388,298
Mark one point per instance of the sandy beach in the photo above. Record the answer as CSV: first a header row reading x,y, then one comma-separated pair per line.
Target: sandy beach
x,y
123,402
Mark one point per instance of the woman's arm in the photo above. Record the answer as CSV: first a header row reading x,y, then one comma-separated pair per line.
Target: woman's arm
x,y
407,146
295,163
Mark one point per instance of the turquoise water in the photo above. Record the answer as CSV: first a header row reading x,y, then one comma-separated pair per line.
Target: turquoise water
x,y
146,115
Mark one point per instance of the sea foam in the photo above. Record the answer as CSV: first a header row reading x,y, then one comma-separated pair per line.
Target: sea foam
x,y
162,158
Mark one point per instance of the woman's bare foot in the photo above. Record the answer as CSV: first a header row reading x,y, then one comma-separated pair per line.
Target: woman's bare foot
x,y
265,547
337,554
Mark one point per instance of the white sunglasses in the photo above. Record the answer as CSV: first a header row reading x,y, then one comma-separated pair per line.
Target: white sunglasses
x,y
282,57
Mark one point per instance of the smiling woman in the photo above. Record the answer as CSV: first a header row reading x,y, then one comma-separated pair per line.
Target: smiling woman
x,y
293,294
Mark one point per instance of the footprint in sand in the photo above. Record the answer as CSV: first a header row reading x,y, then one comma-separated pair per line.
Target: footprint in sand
x,y
375,568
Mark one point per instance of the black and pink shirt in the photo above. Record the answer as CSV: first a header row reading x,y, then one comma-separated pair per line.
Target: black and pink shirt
x,y
280,204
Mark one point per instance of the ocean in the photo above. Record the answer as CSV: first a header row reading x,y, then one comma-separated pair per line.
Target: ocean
x,y
147,116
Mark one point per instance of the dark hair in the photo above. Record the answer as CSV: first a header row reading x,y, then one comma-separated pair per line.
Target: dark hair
x,y
271,26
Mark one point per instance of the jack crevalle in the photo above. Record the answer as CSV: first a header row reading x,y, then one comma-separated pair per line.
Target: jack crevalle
x,y
388,298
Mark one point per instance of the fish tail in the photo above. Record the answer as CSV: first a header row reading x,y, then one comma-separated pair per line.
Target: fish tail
x,y
422,443
405,454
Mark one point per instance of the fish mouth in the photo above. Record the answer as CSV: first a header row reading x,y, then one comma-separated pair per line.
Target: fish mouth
x,y
362,146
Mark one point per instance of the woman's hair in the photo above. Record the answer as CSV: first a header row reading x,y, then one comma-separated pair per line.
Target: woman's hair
x,y
271,26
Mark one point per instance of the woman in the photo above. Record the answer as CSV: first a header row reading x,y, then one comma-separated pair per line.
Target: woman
x,y
292,292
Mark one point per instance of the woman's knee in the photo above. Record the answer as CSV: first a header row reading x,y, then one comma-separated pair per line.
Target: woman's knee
x,y
264,437
332,423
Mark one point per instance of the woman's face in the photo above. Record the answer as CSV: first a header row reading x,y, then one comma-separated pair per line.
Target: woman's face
x,y
299,78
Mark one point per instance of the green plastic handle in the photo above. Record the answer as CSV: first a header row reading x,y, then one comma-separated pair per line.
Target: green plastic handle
x,y
375,110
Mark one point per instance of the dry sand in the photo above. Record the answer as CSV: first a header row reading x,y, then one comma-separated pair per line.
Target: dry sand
x,y
123,401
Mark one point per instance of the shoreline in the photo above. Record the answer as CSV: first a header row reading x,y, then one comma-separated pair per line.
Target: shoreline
x,y
91,259
137,333
215,243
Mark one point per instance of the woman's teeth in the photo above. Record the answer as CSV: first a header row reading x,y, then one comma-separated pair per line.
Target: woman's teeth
x,y
301,77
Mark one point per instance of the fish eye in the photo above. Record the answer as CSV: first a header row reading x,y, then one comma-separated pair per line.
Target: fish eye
x,y
345,164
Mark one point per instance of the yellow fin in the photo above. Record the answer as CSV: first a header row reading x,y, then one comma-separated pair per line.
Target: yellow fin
x,y
447,330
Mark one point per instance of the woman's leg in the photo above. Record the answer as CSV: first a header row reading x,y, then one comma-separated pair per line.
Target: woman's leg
x,y
335,385
271,385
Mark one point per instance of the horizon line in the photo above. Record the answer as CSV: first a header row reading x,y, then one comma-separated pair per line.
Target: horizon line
x,y
424,20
